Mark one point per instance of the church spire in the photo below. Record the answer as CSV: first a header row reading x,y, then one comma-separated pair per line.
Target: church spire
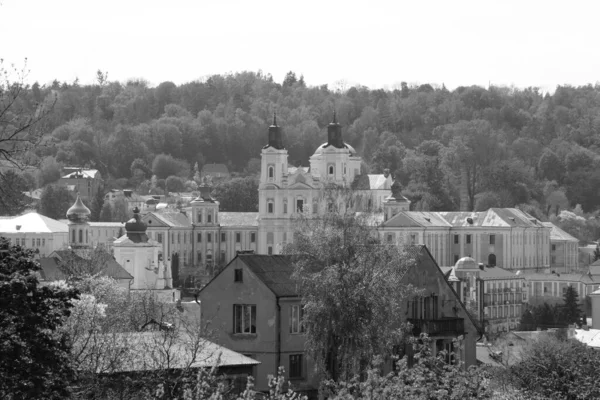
x,y
275,139
334,133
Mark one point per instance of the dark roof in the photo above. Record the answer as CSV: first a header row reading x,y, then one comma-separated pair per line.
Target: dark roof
x,y
51,267
275,271
172,219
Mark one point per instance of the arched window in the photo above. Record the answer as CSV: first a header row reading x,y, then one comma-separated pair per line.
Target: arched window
x,y
80,236
73,236
492,259
86,236
331,170
271,172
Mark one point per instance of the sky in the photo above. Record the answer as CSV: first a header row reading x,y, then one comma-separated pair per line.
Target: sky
x,y
375,43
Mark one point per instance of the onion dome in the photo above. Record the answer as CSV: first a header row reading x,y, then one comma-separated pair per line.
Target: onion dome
x,y
78,211
334,133
275,139
136,228
466,263
205,195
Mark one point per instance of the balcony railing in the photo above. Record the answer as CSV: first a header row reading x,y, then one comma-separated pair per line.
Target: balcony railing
x,y
433,327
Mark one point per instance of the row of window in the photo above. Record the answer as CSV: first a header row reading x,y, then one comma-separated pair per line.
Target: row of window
x,y
209,237
34,242
244,319
209,215
468,239
505,311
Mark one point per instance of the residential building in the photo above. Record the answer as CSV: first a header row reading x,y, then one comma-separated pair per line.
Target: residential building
x,y
255,308
84,182
496,294
564,250
215,172
35,231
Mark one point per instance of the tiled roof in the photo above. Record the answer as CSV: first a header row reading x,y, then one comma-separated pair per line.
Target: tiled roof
x,y
494,217
558,234
32,223
238,218
425,218
214,169
558,277
275,271
84,173
496,272
173,219
51,267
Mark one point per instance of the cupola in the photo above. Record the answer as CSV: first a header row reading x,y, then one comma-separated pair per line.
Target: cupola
x,y
78,211
334,133
136,228
275,139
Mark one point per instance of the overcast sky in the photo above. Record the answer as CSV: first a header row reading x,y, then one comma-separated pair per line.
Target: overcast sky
x,y
374,43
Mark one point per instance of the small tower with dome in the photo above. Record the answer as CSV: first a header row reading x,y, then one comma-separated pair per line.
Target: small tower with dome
x,y
79,216
396,202
143,259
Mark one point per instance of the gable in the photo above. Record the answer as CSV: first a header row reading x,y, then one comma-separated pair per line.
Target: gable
x,y
401,220
152,221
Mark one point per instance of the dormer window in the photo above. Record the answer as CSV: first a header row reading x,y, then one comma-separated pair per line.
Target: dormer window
x,y
238,275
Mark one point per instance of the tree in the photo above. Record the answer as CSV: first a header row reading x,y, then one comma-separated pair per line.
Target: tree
x,y
165,165
571,312
49,172
97,204
55,201
557,369
175,184
106,213
351,280
34,357
597,253
21,128
120,211
238,194
13,201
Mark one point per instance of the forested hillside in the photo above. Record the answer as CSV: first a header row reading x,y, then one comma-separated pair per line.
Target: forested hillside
x,y
514,146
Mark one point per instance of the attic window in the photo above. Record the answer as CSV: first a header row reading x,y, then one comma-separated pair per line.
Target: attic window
x,y
238,275
149,221
470,221
427,219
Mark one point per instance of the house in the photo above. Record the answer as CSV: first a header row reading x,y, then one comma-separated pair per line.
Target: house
x,y
35,231
255,309
84,182
496,293
564,250
216,172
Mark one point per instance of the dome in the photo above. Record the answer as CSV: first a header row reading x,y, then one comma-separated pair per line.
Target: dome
x,y
78,211
466,263
326,145
136,228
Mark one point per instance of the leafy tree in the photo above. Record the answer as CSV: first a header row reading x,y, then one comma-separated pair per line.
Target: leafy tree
x,y
175,184
550,166
558,369
120,211
49,172
55,201
12,199
597,253
106,213
165,165
34,357
351,280
238,194
97,204
571,312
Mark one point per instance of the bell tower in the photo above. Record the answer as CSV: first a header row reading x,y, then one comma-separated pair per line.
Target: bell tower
x,y
79,216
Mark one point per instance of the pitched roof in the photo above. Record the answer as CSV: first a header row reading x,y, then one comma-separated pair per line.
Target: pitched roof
x,y
84,173
557,277
494,217
51,267
172,219
275,271
32,223
497,272
238,218
558,234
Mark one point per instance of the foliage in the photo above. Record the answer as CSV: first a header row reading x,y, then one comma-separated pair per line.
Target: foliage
x,y
351,280
429,378
571,312
55,201
558,369
12,199
165,165
34,361
237,194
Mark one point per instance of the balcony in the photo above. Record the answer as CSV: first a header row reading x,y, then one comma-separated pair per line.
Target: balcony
x,y
438,327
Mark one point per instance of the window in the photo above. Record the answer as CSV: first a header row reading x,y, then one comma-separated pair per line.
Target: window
x,y
209,237
199,237
222,256
238,237
209,217
468,239
553,247
172,238
456,257
72,237
80,238
238,275
252,237
18,242
285,207
299,205
179,238
413,238
270,250
271,172
244,318
390,238
295,366
185,238
493,239
331,170
209,258
296,316
43,242
270,207
199,256
38,242
199,216
492,259
223,237
455,239
159,237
